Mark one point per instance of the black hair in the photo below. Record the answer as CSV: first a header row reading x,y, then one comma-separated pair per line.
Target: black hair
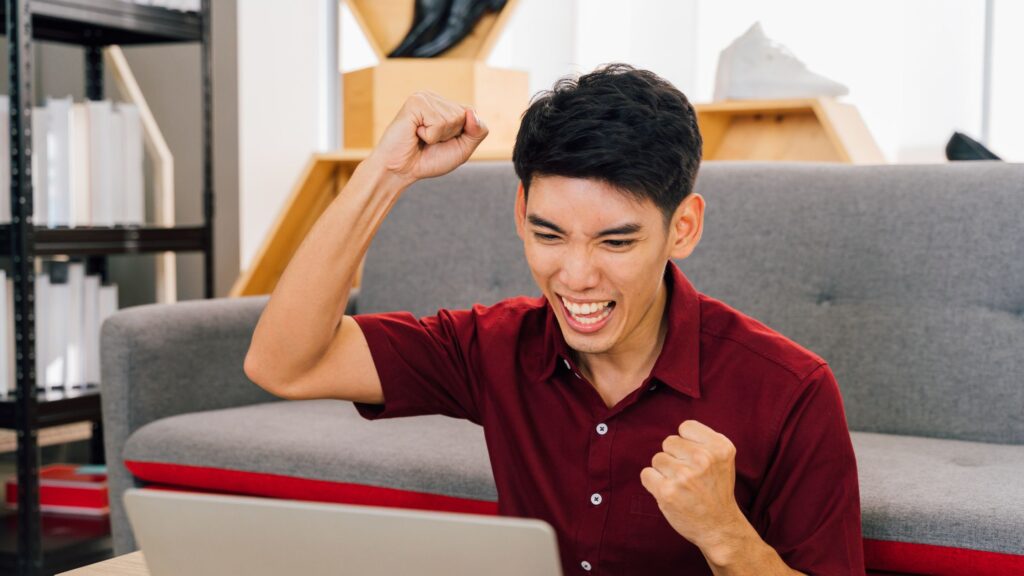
x,y
618,124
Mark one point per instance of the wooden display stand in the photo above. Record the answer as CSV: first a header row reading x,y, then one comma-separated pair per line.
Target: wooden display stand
x,y
372,96
813,130
320,182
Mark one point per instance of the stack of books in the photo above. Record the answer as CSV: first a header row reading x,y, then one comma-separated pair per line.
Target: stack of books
x,y
70,307
68,489
87,164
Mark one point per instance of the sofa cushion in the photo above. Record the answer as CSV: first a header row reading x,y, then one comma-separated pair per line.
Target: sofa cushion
x,y
958,502
319,450
945,505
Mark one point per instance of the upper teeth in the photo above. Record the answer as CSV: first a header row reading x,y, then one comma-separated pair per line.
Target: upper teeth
x,y
588,308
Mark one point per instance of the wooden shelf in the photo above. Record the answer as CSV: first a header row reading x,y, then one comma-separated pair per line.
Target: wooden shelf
x,y
372,96
321,180
810,130
62,434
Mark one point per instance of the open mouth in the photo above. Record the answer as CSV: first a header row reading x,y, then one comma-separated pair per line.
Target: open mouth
x,y
587,317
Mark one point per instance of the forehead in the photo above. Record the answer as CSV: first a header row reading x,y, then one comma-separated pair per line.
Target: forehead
x,y
560,198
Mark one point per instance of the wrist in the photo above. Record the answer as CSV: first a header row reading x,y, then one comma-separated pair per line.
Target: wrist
x,y
729,546
375,168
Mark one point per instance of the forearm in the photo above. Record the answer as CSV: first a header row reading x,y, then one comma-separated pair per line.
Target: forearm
x,y
309,300
740,551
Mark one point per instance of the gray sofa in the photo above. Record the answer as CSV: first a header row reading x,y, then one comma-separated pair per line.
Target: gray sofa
x,y
908,279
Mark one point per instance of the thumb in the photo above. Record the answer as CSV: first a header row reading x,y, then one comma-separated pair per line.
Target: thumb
x,y
474,128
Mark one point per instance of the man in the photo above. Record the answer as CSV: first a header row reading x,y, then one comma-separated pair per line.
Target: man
x,y
655,428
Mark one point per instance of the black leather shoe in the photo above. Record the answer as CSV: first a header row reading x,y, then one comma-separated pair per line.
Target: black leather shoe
x,y
427,22
963,147
461,19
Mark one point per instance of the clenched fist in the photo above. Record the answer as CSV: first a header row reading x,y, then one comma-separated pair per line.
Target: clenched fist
x,y
693,479
429,136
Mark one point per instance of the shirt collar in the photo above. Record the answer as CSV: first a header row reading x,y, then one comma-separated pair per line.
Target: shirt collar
x,y
678,365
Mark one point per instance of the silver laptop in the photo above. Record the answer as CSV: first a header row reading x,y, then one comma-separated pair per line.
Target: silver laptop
x,y
186,533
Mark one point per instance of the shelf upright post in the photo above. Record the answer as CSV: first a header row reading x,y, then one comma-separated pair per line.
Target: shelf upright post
x,y
94,72
207,65
19,39
94,91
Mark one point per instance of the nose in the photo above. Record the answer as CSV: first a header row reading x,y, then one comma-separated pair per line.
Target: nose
x,y
579,274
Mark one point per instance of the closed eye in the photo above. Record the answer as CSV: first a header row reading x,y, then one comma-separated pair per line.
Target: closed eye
x,y
619,243
541,236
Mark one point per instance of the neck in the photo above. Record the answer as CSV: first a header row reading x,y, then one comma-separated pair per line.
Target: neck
x,y
634,358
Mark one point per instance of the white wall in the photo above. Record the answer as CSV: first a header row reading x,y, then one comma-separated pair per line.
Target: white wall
x,y
659,35
280,108
1007,122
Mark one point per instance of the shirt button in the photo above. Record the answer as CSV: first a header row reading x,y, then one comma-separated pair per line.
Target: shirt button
x,y
602,428
653,387
595,499
585,565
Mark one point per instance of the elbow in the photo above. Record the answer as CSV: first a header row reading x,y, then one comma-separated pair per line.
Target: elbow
x,y
255,372
251,367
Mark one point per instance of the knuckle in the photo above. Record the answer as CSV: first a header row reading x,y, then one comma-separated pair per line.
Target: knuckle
x,y
701,459
657,458
729,451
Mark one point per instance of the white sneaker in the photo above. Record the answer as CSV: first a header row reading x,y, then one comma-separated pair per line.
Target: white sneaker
x,y
757,67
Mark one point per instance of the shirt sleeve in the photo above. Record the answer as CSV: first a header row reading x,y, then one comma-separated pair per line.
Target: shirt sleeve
x,y
423,364
809,501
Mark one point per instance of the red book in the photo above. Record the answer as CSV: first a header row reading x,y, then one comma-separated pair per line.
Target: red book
x,y
63,490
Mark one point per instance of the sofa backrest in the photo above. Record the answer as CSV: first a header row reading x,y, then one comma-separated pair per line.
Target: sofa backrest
x,y
907,279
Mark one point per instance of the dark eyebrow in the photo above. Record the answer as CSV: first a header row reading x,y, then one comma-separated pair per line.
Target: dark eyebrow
x,y
538,221
631,228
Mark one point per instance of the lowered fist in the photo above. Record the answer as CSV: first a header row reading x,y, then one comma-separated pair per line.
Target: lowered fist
x,y
693,479
429,136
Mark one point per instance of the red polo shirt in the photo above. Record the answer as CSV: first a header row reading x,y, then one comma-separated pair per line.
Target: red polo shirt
x,y
559,454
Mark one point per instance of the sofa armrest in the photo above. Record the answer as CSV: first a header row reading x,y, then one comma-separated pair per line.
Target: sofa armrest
x,y
160,360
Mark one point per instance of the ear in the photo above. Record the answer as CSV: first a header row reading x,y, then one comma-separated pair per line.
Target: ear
x,y
687,226
520,211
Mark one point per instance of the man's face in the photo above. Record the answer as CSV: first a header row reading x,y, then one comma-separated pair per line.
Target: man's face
x,y
599,257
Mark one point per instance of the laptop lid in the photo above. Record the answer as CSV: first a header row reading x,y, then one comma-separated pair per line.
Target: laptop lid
x,y
216,534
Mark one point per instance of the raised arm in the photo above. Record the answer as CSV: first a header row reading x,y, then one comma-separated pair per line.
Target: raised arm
x,y
303,345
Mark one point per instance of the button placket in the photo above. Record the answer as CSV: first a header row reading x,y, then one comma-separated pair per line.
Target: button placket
x,y
594,519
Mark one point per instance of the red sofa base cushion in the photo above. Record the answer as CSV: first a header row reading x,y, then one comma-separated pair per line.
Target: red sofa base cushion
x,y
910,558
294,488
881,557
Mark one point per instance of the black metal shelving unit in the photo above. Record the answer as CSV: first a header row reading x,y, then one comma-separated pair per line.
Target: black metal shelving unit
x,y
32,544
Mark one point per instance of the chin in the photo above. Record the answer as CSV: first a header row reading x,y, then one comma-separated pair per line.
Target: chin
x,y
587,345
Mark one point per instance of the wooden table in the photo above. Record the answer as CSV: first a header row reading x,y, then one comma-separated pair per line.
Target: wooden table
x,y
127,565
